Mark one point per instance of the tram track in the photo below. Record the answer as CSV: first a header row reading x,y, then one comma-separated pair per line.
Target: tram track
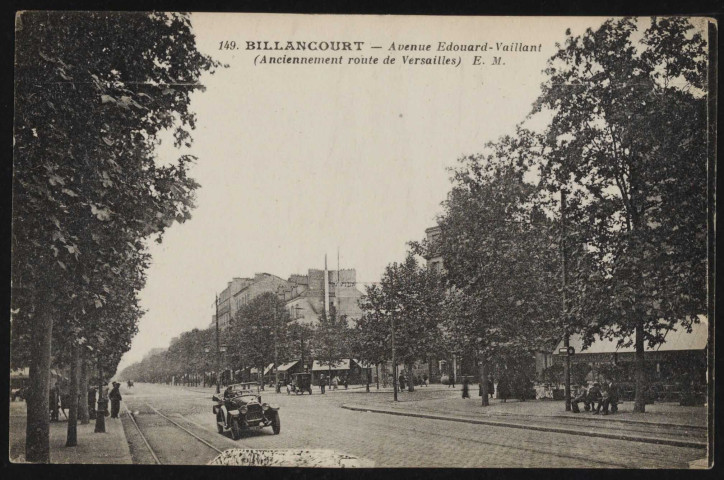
x,y
149,444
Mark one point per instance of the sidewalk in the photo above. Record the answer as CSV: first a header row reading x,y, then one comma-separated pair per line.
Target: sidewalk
x,y
668,424
93,448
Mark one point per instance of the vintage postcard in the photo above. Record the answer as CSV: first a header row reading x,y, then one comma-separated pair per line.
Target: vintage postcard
x,y
363,240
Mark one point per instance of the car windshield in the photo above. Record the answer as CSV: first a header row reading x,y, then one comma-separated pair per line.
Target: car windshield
x,y
242,389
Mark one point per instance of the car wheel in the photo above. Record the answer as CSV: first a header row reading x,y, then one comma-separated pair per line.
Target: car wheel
x,y
235,429
276,424
219,423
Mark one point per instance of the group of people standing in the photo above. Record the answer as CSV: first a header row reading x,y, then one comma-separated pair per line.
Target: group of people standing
x,y
59,400
421,380
598,396
334,383
466,387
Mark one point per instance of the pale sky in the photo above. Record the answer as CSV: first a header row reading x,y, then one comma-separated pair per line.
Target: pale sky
x,y
298,160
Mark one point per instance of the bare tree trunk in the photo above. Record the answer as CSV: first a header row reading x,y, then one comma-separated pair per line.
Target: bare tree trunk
x,y
410,378
83,394
640,365
377,372
484,381
72,436
37,431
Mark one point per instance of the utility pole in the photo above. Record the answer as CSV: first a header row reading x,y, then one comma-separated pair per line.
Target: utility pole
x,y
218,349
566,333
301,331
394,360
276,352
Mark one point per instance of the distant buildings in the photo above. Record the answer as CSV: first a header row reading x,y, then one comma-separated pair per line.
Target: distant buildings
x,y
310,295
305,296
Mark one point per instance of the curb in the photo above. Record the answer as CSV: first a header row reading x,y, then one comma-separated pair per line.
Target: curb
x,y
614,436
601,419
122,438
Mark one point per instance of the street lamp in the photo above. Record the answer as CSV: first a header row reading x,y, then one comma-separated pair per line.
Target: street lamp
x,y
218,350
392,313
297,308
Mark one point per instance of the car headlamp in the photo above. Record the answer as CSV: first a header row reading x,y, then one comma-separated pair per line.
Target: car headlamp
x,y
243,409
265,406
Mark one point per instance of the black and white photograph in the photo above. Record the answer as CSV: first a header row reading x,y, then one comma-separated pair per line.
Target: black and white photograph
x,y
363,241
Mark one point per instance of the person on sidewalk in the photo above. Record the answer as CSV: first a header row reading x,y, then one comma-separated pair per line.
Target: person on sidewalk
x,y
402,382
452,381
609,397
322,382
594,398
424,380
346,382
491,387
115,397
466,388
581,397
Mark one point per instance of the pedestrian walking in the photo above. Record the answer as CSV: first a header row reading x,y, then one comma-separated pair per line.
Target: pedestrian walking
x,y
115,397
466,388
452,380
322,382
402,382
346,382
491,387
424,380
335,382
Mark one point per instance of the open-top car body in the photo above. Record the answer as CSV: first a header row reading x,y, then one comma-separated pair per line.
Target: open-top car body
x,y
240,407
300,383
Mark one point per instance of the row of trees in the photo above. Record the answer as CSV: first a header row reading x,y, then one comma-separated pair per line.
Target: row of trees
x,y
594,224
260,333
93,93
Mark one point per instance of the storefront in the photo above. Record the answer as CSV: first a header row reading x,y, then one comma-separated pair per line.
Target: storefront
x,y
673,368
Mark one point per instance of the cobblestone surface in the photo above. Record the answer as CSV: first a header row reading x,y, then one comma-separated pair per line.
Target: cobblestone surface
x,y
392,441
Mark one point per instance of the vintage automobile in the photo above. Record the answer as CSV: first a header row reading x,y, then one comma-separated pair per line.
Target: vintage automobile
x,y
240,407
301,382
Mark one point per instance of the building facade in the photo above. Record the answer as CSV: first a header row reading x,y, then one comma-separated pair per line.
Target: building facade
x,y
241,291
308,296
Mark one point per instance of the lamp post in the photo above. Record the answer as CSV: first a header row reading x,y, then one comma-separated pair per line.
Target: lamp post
x,y
297,308
394,359
277,386
206,351
218,350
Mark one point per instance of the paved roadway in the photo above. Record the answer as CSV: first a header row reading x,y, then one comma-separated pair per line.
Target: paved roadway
x,y
317,421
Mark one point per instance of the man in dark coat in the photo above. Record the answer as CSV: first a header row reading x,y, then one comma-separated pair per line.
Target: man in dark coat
x,y
402,382
594,397
115,397
322,382
466,388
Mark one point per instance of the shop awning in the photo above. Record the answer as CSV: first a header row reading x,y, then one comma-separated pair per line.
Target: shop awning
x,y
287,366
363,364
323,366
675,340
266,370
